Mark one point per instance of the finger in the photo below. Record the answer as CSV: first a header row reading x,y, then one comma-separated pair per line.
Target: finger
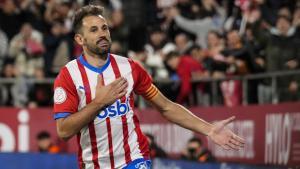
x,y
239,139
117,81
100,81
121,82
231,146
236,143
121,94
226,147
122,87
229,120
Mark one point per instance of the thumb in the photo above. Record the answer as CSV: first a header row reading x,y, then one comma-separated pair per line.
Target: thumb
x,y
229,120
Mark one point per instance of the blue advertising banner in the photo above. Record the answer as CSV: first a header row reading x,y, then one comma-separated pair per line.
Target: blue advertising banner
x,y
179,164
69,161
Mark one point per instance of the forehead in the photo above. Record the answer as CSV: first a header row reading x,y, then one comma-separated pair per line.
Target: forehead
x,y
90,21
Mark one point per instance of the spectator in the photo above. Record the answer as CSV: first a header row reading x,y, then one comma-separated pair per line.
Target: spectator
x,y
6,94
57,47
27,49
215,60
239,62
281,54
15,93
156,50
33,11
183,43
200,27
155,150
10,18
119,29
185,67
39,94
45,144
3,47
195,151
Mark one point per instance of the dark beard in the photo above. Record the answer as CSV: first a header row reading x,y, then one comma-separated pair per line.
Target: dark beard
x,y
95,50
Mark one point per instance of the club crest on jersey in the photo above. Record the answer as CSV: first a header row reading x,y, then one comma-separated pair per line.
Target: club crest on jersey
x,y
60,95
114,110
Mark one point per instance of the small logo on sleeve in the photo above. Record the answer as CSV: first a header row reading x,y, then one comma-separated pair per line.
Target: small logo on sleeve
x,y
60,95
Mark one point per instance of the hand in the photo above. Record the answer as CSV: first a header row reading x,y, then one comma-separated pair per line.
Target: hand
x,y
225,137
108,94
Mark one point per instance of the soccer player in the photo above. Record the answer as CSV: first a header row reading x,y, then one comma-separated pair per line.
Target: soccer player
x,y
93,99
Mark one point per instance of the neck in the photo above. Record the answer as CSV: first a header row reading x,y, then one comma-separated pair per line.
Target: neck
x,y
95,60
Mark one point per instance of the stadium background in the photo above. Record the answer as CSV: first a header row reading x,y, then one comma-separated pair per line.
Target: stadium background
x,y
235,57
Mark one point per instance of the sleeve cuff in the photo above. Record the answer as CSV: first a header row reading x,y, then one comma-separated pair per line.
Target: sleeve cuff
x,y
61,115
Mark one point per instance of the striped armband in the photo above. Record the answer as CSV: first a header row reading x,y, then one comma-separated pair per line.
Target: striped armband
x,y
151,92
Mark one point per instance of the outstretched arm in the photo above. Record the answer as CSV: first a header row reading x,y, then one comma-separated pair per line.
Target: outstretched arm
x,y
217,132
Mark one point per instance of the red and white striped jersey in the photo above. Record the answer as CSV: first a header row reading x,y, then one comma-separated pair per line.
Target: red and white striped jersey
x,y
114,138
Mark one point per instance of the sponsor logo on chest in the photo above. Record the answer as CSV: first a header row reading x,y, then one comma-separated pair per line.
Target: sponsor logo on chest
x,y
114,110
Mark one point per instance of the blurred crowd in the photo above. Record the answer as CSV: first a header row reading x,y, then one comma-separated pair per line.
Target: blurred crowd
x,y
173,39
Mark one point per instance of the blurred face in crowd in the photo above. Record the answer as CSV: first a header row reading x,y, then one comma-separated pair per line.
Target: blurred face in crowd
x,y
181,41
233,39
157,38
284,12
9,70
173,62
197,54
117,18
57,29
9,6
26,30
283,25
94,36
212,39
44,144
194,148
116,47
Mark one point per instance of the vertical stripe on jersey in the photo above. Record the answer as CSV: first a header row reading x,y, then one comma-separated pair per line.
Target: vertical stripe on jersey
x,y
124,118
142,140
79,151
72,70
110,144
91,125
109,135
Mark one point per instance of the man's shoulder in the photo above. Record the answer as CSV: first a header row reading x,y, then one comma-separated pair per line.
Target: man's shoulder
x,y
66,68
120,58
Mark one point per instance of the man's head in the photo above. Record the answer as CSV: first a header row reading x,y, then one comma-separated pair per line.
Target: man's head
x,y
233,39
92,31
213,38
157,36
43,141
172,59
283,24
181,41
194,147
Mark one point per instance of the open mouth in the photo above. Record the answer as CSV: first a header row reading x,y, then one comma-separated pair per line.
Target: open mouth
x,y
102,42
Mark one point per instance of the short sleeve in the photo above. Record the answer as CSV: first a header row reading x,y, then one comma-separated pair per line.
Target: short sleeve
x,y
65,95
142,80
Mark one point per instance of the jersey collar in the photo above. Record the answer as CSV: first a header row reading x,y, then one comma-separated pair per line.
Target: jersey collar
x,y
95,69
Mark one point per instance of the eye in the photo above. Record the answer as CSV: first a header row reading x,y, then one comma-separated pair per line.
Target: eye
x,y
93,29
104,27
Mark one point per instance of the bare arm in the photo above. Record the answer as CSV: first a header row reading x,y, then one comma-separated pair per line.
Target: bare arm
x,y
105,95
179,115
